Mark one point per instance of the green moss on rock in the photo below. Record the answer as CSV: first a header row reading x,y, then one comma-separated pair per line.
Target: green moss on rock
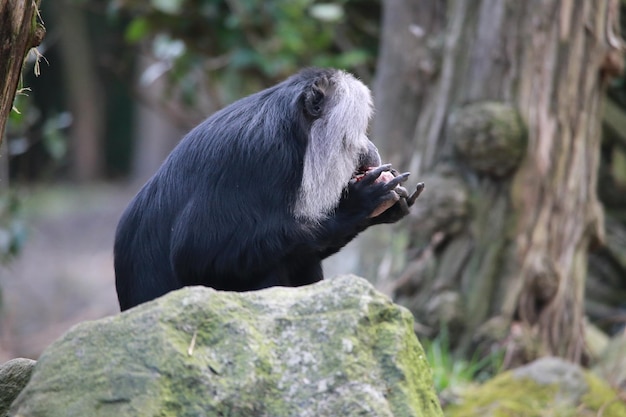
x,y
549,387
337,348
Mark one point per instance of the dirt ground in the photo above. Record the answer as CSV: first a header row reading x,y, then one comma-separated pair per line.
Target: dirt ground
x,y
64,274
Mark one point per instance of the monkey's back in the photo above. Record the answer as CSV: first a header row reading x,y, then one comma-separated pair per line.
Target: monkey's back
x,y
224,190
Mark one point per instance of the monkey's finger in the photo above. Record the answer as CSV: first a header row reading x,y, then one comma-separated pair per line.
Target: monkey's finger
x,y
404,206
418,190
395,213
372,175
402,192
397,181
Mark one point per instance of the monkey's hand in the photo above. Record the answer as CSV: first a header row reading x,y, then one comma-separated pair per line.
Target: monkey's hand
x,y
391,213
394,196
372,192
373,197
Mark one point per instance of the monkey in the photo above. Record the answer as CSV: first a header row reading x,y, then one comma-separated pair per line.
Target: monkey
x,y
259,193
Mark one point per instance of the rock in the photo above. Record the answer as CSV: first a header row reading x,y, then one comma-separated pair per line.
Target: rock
x,y
548,386
14,376
567,378
612,363
336,348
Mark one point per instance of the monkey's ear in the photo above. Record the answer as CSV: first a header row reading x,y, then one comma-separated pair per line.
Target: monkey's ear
x,y
315,96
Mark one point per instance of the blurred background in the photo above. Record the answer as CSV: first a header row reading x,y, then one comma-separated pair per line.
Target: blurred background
x,y
120,84
518,247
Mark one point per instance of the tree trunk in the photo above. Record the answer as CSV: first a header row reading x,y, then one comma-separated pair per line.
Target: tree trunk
x,y
156,134
19,32
84,91
404,79
506,139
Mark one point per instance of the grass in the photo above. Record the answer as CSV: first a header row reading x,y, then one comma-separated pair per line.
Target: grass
x,y
450,371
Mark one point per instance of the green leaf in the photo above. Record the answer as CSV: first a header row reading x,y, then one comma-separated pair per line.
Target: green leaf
x,y
353,58
137,30
12,228
54,141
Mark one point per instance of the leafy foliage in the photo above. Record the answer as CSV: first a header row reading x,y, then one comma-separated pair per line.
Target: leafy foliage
x,y
244,45
12,226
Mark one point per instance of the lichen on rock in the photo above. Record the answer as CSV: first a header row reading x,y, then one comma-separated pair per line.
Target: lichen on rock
x,y
547,387
336,348
14,376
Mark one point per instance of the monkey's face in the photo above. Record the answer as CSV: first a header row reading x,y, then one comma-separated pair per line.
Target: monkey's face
x,y
338,148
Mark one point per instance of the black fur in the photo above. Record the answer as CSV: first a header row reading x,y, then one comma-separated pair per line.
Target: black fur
x,y
219,211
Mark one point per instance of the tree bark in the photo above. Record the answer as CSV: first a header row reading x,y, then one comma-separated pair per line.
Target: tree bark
x,y
404,79
85,95
507,139
156,134
19,32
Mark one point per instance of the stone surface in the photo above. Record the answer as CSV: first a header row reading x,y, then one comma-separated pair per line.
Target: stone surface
x,y
546,387
336,348
14,376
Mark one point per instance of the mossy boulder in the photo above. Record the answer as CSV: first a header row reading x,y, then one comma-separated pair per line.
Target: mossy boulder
x,y
336,348
547,387
14,376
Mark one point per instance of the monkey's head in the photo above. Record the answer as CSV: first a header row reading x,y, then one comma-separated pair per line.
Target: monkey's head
x,y
339,107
